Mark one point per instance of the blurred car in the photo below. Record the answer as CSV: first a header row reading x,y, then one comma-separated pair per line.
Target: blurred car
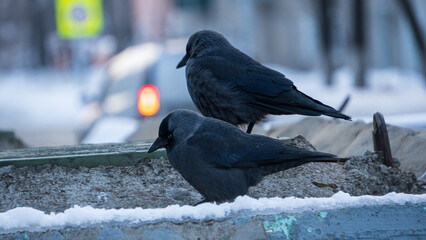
x,y
138,84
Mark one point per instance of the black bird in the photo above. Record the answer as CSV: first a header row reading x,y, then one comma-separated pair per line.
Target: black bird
x,y
219,160
227,84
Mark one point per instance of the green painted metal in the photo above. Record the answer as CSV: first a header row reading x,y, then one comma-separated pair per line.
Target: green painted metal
x,y
88,155
279,225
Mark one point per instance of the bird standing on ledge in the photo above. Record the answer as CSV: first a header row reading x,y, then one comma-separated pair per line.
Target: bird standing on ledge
x,y
227,84
219,160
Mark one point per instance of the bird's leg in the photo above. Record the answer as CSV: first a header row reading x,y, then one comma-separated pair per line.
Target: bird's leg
x,y
202,201
250,127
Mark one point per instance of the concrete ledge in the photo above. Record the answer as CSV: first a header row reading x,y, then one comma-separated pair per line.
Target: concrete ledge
x,y
371,222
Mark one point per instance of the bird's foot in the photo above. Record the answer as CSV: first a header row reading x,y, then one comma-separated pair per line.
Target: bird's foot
x,y
250,127
202,201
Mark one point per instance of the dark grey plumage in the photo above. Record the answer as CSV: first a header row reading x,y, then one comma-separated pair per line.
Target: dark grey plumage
x,y
227,84
219,160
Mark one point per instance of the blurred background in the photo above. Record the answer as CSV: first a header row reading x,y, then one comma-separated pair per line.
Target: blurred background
x,y
98,71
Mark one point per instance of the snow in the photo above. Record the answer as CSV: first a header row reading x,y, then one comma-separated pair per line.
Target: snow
x,y
112,129
41,106
401,95
43,99
417,120
26,218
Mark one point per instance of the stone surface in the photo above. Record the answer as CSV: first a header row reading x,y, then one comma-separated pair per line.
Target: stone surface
x,y
346,139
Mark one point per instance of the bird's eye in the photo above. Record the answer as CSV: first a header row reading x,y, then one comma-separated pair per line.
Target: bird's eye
x,y
170,136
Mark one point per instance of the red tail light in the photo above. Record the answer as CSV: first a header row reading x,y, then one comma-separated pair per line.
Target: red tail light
x,y
148,100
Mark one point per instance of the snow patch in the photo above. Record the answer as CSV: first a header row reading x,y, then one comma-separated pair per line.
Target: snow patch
x,y
38,100
111,129
393,92
26,218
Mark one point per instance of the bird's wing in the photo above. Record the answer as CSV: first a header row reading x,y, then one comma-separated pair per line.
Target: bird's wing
x,y
245,151
242,73
268,89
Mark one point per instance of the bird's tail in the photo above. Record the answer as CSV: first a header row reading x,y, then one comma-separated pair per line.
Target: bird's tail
x,y
296,102
322,108
273,168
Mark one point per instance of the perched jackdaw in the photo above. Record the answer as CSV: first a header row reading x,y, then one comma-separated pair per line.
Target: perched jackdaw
x,y
219,160
227,84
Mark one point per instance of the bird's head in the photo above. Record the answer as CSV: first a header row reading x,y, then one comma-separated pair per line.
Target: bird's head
x,y
201,43
176,127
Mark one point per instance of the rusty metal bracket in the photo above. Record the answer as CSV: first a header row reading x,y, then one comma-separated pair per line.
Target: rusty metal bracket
x,y
381,138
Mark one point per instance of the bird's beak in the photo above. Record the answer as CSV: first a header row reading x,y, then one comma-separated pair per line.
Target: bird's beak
x,y
158,143
183,61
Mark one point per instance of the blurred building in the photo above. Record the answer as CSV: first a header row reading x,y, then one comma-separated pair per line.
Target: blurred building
x,y
287,32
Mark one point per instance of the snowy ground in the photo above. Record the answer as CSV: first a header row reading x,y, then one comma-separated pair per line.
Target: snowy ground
x,y
42,106
400,96
26,218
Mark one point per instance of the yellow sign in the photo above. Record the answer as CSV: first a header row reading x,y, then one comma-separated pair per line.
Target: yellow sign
x,y
79,18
